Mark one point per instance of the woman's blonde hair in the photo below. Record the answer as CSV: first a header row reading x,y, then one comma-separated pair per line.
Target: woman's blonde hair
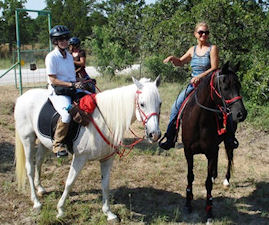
x,y
201,24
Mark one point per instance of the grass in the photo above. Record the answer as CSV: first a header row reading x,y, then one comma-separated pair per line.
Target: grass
x,y
147,186
6,63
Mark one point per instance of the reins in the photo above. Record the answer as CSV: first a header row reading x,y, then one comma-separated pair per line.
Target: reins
x,y
223,109
121,152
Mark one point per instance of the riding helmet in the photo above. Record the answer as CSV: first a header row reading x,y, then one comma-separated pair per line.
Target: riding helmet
x,y
57,32
74,41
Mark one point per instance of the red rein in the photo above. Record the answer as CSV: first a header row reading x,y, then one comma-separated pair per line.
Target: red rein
x,y
224,113
121,153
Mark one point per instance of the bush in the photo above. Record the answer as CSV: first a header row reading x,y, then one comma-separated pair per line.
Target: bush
x,y
256,83
154,67
110,55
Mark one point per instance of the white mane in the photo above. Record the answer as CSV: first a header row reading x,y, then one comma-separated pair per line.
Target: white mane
x,y
118,108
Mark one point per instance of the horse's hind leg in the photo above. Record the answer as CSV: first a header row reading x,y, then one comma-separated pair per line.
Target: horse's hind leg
x,y
215,169
29,146
190,176
212,162
105,170
41,151
76,166
229,153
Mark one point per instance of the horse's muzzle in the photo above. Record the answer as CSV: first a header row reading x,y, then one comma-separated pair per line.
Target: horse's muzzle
x,y
154,136
242,115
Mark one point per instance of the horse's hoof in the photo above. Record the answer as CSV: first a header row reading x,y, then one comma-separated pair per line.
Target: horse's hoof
x,y
226,183
37,207
60,214
209,221
41,192
213,180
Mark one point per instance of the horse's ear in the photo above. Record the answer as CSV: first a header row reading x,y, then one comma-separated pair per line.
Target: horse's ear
x,y
137,83
236,68
158,81
225,68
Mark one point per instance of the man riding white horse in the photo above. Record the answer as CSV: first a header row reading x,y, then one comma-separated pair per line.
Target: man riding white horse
x,y
62,79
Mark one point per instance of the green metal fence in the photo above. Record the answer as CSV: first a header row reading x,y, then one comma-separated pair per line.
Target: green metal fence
x,y
30,63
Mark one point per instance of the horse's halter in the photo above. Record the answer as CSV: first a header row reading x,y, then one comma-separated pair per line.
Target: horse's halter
x,y
225,102
218,93
145,118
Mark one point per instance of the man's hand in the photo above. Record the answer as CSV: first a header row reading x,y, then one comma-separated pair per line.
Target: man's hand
x,y
78,85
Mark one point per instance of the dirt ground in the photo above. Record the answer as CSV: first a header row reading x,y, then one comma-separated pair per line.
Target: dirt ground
x,y
160,177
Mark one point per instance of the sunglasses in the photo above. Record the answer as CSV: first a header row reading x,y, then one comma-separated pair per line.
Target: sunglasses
x,y
63,38
201,32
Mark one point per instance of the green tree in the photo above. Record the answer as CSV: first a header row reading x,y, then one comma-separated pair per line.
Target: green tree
x,y
78,15
8,23
116,45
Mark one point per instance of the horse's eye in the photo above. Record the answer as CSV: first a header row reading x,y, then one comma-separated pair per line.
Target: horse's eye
x,y
142,104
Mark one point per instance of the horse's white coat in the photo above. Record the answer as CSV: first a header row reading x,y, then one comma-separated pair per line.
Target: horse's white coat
x,y
117,106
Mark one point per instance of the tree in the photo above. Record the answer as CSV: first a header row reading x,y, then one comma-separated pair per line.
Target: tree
x,y
116,45
9,24
75,14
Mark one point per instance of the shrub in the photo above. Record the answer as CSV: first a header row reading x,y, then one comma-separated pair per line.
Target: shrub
x,y
255,83
154,67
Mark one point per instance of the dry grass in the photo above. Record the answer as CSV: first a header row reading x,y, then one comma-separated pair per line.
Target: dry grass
x,y
147,186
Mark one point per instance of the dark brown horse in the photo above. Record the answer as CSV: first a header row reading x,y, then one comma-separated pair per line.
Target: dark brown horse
x,y
204,121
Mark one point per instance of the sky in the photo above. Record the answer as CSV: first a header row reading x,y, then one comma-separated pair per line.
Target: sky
x,y
41,4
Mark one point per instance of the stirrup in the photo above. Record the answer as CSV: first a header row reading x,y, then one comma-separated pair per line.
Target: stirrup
x,y
166,145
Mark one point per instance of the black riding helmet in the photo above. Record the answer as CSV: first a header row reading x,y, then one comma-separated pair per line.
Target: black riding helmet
x,y
57,32
74,41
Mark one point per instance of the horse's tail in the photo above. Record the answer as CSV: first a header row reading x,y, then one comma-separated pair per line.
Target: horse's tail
x,y
20,162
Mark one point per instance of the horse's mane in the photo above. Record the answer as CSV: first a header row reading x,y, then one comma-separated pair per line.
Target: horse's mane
x,y
118,107
205,83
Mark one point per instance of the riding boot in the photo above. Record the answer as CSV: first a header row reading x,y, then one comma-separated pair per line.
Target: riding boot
x,y
60,133
230,141
170,135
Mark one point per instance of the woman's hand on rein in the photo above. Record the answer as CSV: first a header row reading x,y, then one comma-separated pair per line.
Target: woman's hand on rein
x,y
195,80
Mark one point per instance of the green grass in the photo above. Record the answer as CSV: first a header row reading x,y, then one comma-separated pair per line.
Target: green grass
x,y
5,63
148,186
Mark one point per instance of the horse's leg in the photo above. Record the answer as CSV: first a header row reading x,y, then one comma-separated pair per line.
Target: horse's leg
x,y
212,162
105,170
230,154
29,145
190,177
215,169
76,166
40,154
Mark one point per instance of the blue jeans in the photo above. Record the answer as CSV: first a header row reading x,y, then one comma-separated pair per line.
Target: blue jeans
x,y
177,104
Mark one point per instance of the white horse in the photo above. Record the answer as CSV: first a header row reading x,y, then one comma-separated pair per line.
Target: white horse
x,y
119,108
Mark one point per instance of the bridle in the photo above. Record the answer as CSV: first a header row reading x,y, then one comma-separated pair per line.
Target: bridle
x,y
130,146
218,92
141,112
224,108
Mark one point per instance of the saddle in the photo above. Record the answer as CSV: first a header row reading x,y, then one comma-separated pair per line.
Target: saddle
x,y
47,122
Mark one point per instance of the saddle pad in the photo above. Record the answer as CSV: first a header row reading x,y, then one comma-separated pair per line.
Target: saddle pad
x,y
47,121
